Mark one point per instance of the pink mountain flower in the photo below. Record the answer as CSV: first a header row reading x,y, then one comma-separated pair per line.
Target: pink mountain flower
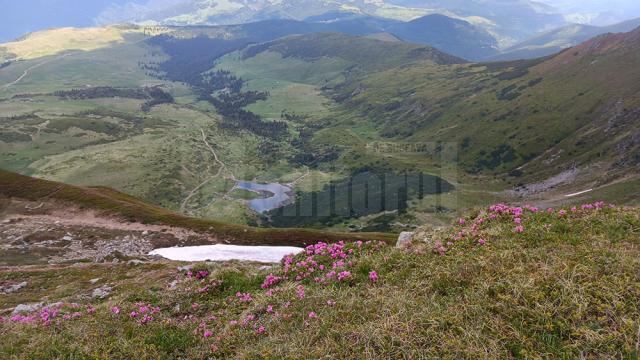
x,y
373,276
244,297
344,275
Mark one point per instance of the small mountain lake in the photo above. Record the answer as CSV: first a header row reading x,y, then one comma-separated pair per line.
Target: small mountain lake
x,y
274,195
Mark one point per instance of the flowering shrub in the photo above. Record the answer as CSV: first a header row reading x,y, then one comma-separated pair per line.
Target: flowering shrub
x,y
325,263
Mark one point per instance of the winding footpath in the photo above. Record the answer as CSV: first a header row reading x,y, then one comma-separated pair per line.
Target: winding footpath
x,y
222,167
26,72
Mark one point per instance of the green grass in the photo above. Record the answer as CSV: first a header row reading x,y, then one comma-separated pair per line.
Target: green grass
x,y
566,287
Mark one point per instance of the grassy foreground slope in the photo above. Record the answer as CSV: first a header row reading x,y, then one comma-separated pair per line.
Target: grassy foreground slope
x,y
115,203
502,283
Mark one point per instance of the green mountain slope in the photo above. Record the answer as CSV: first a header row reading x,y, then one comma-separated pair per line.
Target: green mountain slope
x,y
449,35
532,118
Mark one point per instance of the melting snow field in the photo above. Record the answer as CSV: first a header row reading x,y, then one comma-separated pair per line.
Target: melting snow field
x,y
220,252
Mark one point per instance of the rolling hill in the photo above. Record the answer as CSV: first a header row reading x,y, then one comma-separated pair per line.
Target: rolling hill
x,y
452,36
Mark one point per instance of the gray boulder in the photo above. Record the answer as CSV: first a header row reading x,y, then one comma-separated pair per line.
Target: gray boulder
x,y
404,239
12,288
101,292
26,308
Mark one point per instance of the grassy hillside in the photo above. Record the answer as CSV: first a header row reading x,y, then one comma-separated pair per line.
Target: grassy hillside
x,y
56,41
368,54
314,110
452,36
532,119
114,203
564,286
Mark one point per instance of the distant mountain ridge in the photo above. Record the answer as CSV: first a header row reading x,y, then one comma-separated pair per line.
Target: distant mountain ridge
x,y
509,20
456,37
559,39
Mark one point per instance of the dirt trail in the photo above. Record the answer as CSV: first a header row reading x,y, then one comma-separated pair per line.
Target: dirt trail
x,y
299,179
91,219
223,167
26,72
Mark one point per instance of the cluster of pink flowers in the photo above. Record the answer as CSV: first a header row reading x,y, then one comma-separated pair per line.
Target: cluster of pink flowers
x,y
211,284
143,313
244,297
323,262
271,280
344,275
198,275
517,215
46,315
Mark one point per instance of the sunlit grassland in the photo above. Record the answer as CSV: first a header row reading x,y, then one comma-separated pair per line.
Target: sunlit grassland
x,y
293,84
112,66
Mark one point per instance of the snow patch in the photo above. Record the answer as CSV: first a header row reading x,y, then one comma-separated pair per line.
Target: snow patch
x,y
579,193
220,252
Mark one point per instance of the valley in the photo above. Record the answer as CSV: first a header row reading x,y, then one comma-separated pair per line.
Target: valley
x,y
289,179
303,105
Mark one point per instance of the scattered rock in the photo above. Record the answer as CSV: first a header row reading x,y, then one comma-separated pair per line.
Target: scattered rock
x,y
8,289
265,267
135,262
56,304
93,281
26,308
404,239
67,238
185,268
101,292
173,284
145,233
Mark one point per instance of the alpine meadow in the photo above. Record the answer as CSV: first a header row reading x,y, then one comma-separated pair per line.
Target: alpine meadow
x,y
306,179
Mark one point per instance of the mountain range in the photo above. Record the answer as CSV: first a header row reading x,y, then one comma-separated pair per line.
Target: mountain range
x,y
283,101
559,39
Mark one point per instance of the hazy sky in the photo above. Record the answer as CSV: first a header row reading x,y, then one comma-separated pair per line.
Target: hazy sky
x,y
19,17
22,16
